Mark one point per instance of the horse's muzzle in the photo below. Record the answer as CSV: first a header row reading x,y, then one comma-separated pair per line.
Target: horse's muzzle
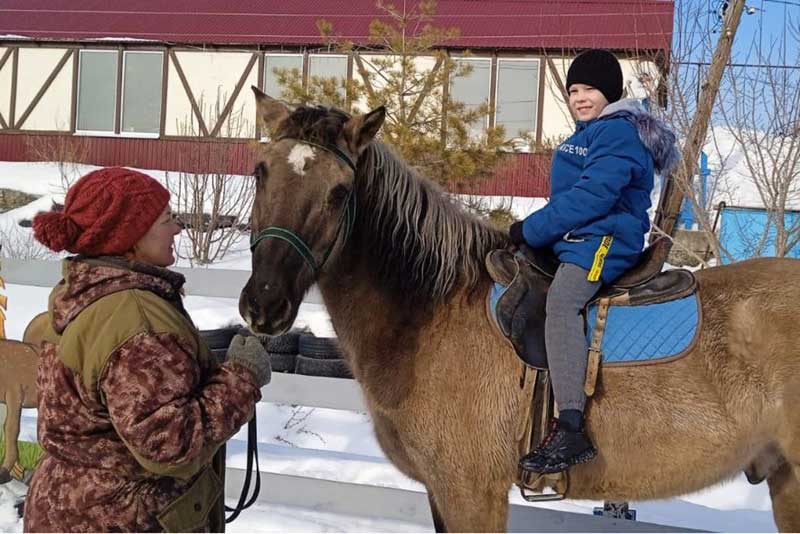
x,y
266,312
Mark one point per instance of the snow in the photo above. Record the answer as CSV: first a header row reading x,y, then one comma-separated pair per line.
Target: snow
x,y
730,177
331,444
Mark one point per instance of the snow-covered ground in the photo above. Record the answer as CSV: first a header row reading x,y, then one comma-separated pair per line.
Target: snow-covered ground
x,y
331,444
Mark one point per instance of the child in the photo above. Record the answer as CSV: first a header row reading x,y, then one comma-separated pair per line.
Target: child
x,y
595,222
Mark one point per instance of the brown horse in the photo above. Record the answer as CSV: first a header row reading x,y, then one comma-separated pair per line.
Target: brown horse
x,y
401,269
18,362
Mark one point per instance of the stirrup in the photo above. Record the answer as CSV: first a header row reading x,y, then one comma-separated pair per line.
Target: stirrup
x,y
532,496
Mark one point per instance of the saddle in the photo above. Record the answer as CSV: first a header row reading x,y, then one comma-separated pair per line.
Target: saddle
x,y
516,304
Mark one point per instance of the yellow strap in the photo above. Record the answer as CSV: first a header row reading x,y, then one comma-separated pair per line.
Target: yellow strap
x,y
600,258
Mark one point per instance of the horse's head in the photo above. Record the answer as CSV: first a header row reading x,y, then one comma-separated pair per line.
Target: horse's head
x,y
304,206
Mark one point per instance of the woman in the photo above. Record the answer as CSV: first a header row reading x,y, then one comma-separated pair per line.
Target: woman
x,y
132,406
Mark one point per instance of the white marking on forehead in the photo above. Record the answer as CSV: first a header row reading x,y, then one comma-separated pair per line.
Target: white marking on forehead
x,y
299,155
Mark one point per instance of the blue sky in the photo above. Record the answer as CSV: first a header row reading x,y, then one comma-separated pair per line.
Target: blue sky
x,y
767,25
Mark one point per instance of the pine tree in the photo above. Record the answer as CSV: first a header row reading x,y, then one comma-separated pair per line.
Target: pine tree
x,y
405,68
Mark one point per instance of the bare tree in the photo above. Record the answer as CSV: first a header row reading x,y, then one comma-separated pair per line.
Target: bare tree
x,y
762,112
19,244
671,84
213,207
67,152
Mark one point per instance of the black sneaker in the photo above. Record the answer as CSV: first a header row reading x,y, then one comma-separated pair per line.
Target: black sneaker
x,y
560,449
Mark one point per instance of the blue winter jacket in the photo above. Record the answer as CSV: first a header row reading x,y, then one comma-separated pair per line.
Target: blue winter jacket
x,y
601,180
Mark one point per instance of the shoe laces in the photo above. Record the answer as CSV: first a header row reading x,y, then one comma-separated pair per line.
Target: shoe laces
x,y
550,435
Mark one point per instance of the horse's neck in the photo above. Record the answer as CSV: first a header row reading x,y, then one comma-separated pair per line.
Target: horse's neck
x,y
363,312
385,285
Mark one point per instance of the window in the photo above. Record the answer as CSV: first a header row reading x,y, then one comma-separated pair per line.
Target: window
x,y
473,89
329,66
280,61
97,90
141,94
517,95
140,105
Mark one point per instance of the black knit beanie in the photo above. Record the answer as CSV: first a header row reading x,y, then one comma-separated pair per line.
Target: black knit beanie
x,y
600,69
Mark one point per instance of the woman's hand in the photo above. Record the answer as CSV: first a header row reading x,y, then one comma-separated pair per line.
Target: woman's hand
x,y
250,354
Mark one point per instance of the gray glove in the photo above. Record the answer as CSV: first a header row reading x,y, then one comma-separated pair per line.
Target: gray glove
x,y
250,354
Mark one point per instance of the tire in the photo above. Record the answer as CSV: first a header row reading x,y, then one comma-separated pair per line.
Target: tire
x,y
322,367
282,363
219,338
321,348
287,343
219,354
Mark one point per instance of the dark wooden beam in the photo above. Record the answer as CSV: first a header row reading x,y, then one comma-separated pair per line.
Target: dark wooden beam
x,y
189,93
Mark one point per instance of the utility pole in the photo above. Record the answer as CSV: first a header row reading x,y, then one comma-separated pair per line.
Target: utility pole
x,y
673,194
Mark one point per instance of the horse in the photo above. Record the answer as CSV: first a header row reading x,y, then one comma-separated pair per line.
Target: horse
x,y
17,391
400,267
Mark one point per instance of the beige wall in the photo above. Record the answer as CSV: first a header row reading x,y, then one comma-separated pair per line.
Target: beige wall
x,y
212,77
52,112
556,120
210,74
5,86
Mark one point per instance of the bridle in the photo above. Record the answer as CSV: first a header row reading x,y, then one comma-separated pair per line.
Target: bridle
x,y
347,219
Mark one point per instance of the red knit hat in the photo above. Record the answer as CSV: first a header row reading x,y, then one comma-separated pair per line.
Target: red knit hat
x,y
105,213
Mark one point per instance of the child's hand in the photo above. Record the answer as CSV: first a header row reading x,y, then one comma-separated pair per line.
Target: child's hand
x,y
515,233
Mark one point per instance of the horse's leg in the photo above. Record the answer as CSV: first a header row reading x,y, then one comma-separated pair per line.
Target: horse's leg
x,y
472,504
784,488
438,522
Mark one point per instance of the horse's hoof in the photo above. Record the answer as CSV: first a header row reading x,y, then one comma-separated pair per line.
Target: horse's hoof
x,y
5,475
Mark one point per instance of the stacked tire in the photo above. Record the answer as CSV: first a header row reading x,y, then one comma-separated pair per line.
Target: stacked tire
x,y
282,350
320,356
297,351
219,339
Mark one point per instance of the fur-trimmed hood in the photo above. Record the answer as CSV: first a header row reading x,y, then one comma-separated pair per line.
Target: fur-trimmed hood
x,y
656,136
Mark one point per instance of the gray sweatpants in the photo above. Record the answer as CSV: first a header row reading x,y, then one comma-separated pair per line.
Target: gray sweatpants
x,y
567,349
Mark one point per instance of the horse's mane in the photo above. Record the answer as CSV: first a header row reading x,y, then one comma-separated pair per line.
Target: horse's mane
x,y
421,241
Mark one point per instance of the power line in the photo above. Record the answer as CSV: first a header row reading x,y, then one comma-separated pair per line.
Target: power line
x,y
745,65
784,2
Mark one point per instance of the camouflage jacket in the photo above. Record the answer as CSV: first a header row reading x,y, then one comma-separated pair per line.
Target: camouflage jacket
x,y
132,405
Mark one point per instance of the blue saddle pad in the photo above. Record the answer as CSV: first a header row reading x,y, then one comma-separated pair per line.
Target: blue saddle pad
x,y
645,333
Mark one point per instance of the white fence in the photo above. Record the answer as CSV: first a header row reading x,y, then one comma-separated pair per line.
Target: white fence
x,y
339,394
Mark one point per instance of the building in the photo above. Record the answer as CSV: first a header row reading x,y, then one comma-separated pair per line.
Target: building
x,y
137,82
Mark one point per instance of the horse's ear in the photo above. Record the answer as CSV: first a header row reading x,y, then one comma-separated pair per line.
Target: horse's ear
x,y
361,129
269,111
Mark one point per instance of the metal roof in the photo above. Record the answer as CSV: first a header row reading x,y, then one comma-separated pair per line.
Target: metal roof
x,y
484,24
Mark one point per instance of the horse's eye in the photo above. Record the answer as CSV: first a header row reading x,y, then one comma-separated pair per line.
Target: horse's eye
x,y
260,172
338,194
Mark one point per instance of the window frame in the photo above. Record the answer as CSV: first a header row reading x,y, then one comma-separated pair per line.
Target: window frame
x,y
346,76
119,89
490,115
302,57
534,60
140,135
95,133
